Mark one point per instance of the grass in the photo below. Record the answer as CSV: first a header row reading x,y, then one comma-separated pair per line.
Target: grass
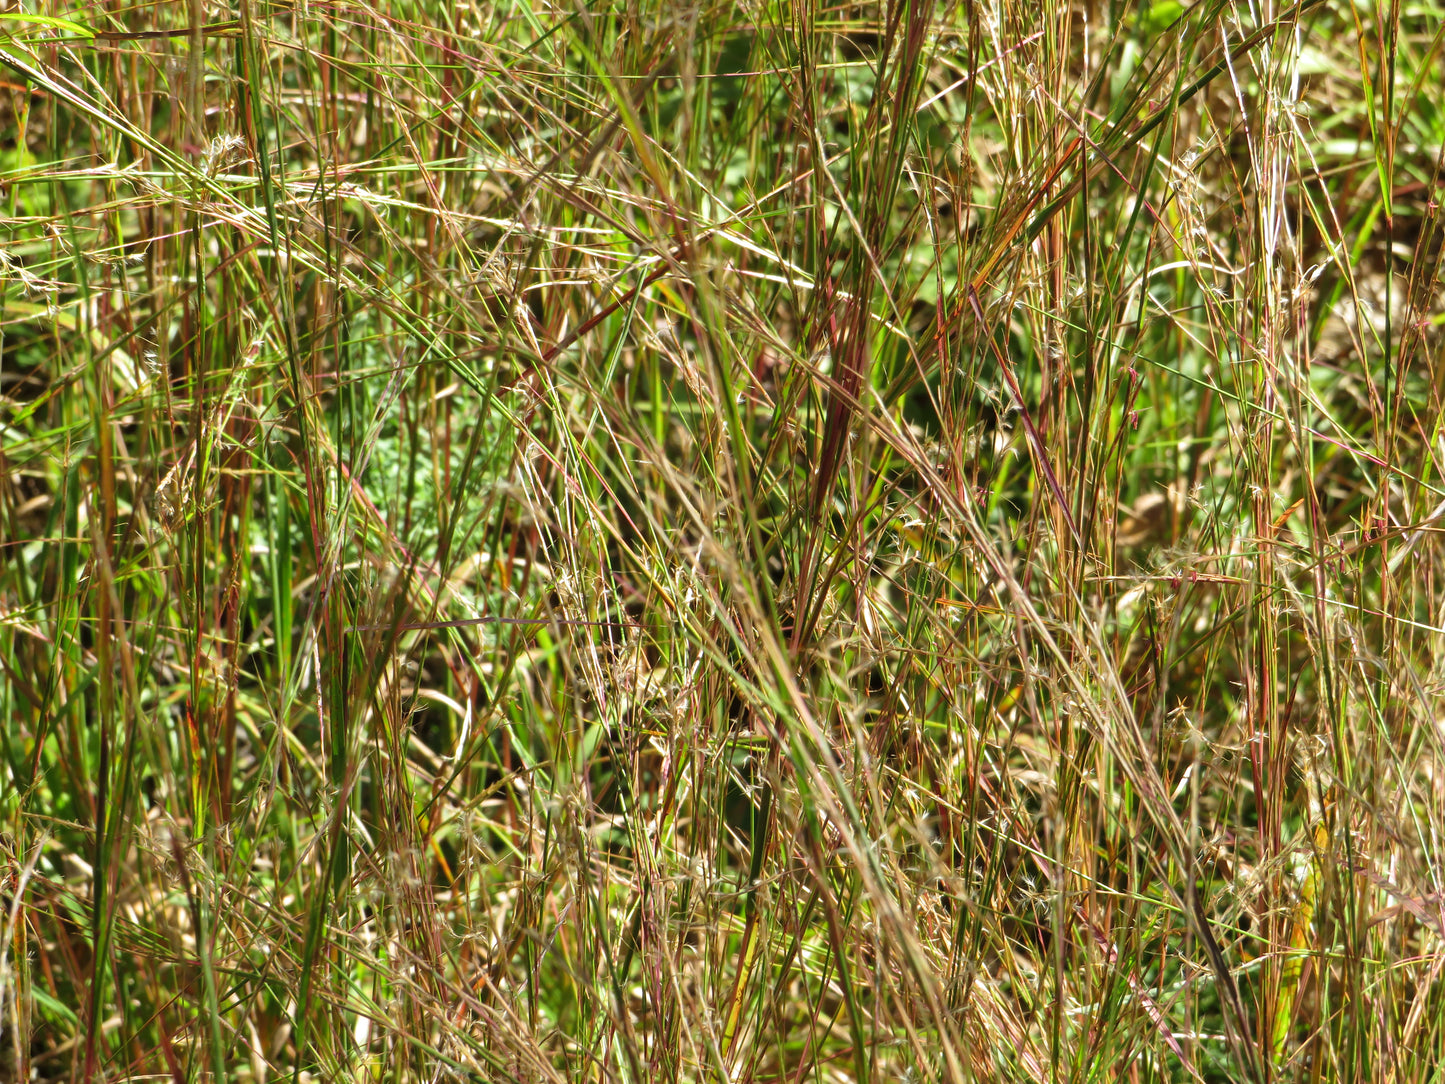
x,y
746,542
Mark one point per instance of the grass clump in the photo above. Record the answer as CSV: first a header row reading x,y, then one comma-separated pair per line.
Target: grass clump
x,y
725,541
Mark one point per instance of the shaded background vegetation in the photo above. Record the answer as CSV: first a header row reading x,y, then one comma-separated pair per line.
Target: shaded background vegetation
x,y
721,541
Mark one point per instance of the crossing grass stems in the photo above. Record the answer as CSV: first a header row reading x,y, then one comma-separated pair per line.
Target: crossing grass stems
x,y
730,541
